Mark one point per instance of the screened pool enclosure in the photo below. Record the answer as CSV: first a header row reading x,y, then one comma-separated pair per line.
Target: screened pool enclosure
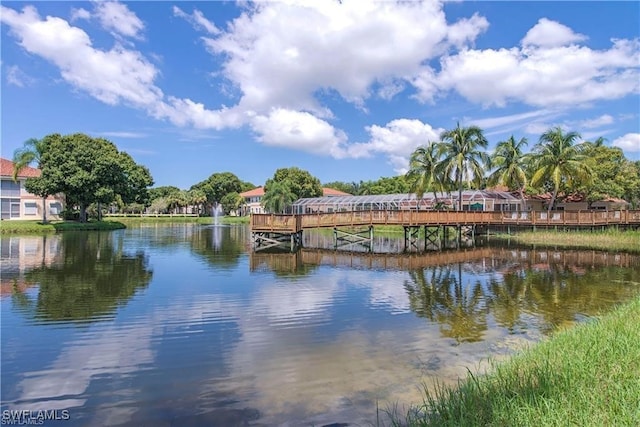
x,y
474,200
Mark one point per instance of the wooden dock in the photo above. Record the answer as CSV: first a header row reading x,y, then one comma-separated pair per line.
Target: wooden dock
x,y
295,223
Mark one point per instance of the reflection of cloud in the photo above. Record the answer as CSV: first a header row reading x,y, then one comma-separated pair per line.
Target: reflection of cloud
x,y
62,385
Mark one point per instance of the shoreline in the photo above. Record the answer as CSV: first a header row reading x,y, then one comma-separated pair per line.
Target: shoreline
x,y
573,375
609,240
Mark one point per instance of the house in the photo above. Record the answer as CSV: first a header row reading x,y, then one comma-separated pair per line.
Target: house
x,y
253,199
576,202
17,203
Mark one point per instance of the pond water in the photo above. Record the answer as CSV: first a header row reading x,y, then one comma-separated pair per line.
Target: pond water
x,y
185,325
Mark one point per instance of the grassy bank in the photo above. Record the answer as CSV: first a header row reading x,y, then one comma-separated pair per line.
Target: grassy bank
x,y
613,240
35,227
588,376
133,220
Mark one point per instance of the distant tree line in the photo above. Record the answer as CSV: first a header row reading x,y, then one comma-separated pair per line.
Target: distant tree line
x,y
94,175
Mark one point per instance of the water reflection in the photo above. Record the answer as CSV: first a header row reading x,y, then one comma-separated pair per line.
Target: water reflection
x,y
459,289
219,245
223,336
85,278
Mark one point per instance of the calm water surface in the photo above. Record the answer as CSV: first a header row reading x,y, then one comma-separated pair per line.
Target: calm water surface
x,y
183,325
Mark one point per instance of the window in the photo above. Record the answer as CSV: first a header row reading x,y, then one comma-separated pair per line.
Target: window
x,y
10,188
55,208
30,208
10,208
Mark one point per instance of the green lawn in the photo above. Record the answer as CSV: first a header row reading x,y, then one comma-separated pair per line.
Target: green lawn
x,y
34,227
585,376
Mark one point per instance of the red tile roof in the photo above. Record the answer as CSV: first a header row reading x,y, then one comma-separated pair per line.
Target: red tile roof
x,y
259,191
7,166
333,192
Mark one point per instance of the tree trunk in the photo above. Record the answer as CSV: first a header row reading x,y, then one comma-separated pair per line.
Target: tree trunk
x,y
44,210
83,212
524,204
553,200
99,211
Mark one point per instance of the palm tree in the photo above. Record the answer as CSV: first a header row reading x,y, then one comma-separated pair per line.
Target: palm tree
x,y
278,196
560,160
423,170
196,197
30,153
510,164
462,158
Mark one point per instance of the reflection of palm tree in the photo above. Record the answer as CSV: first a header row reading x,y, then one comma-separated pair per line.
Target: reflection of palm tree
x,y
506,301
463,156
559,160
440,297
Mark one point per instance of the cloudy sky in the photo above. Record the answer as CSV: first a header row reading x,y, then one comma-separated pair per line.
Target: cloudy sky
x,y
346,90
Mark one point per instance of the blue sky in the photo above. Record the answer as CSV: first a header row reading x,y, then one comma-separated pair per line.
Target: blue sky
x,y
346,90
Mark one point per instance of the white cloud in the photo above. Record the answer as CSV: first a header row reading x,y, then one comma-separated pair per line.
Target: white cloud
x,y
123,134
15,76
397,140
547,33
465,31
117,17
492,122
80,14
537,128
299,130
603,120
197,20
115,76
282,53
542,76
628,142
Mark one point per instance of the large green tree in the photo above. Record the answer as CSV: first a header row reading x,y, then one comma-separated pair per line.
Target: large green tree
x,y
347,187
219,185
613,174
509,162
301,183
559,160
463,157
90,170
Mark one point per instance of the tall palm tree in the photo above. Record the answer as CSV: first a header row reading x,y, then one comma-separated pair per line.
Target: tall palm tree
x,y
30,153
423,170
463,158
559,160
278,196
510,164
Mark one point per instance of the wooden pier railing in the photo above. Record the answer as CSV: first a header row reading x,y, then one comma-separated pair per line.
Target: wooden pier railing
x,y
296,223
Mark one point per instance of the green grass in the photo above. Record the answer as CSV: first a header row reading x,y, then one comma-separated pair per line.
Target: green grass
x,y
35,227
585,376
614,240
133,220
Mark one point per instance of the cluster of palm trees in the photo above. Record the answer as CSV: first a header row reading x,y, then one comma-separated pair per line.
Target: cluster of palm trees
x,y
460,160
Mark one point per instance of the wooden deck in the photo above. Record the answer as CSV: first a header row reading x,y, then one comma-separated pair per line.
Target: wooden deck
x,y
289,224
